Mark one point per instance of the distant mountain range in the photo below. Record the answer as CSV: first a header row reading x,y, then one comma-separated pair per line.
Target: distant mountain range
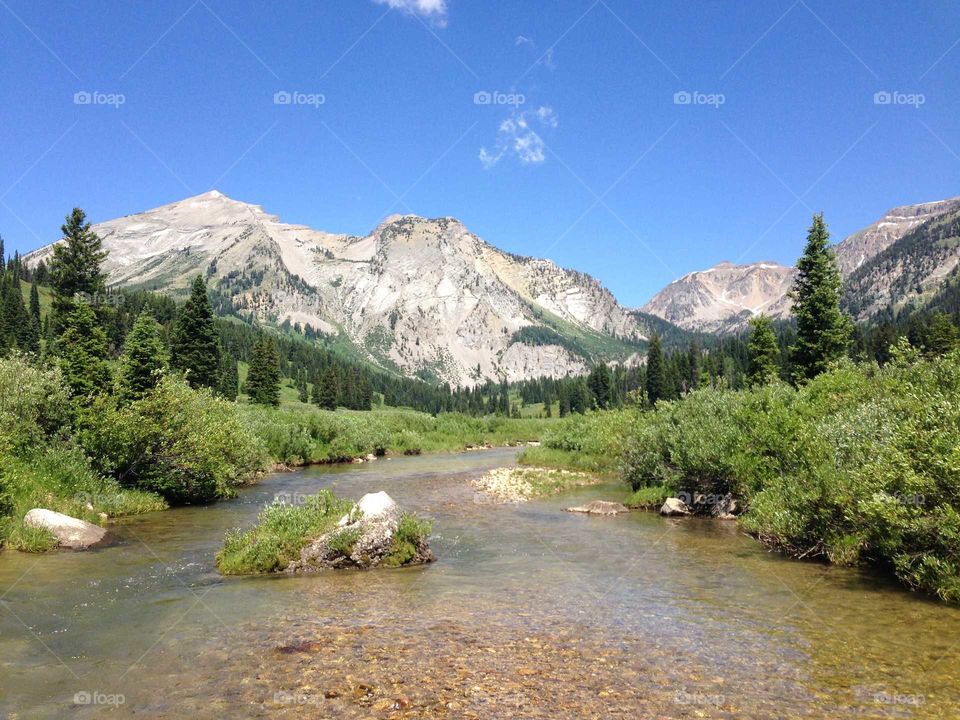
x,y
428,298
900,260
423,297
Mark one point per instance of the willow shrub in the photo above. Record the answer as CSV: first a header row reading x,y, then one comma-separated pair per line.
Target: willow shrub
x,y
182,443
862,464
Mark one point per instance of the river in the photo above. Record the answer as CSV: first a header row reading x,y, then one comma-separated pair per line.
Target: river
x,y
529,612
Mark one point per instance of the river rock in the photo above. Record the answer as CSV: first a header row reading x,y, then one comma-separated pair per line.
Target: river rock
x,y
69,531
726,508
600,507
362,539
674,506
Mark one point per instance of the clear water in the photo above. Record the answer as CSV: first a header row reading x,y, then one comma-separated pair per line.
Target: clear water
x,y
529,612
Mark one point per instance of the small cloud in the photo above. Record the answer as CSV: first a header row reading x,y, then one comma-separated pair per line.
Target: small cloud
x,y
516,136
522,40
435,10
547,60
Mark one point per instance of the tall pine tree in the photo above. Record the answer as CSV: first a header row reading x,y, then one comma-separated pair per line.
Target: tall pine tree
x,y
194,346
83,352
263,379
764,352
75,266
823,330
143,360
656,372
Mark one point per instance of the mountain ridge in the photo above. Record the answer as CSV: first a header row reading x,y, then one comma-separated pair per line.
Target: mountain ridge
x,y
424,296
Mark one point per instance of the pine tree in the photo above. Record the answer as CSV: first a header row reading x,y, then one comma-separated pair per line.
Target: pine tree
x,y
823,330
83,352
327,393
656,373
764,352
194,346
143,361
693,366
599,384
35,301
263,379
302,391
228,378
364,393
75,266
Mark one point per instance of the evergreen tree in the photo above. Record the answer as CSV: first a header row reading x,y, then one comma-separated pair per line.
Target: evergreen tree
x,y
302,392
656,373
823,330
194,346
940,336
263,379
764,352
228,378
83,352
143,361
328,390
35,302
599,384
75,266
693,366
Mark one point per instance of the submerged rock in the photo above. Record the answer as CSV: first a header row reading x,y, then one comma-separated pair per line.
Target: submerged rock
x,y
375,533
69,531
674,506
600,507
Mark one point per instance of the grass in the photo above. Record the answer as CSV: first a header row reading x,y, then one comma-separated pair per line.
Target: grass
x,y
648,498
298,434
59,478
281,533
592,443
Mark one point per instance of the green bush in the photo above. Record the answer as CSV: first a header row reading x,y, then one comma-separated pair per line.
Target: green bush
x,y
182,443
860,465
34,404
281,533
410,532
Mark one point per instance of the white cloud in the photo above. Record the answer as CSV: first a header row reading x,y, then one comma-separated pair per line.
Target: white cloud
x,y
515,136
435,10
523,40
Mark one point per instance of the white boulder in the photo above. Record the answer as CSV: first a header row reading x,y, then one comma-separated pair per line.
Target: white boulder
x,y
674,506
69,531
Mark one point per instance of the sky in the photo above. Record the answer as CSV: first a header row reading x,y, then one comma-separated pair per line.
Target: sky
x,y
635,141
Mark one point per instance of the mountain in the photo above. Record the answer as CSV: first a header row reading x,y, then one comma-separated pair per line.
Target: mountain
x,y
424,297
902,259
724,296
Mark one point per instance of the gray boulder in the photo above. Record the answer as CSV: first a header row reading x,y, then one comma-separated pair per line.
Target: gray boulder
x,y
69,531
673,507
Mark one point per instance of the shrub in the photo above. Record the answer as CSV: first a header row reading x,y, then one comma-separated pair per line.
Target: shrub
x,y
34,404
411,531
181,443
862,464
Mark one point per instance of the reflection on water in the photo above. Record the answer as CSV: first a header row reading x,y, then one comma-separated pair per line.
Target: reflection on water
x,y
529,612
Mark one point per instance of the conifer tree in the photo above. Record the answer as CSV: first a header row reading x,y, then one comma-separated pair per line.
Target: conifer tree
x,y
75,266
143,361
35,301
263,379
83,352
599,384
228,379
327,394
302,392
823,330
656,373
194,346
763,351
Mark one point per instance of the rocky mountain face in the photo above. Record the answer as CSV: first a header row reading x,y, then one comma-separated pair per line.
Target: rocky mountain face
x,y
724,297
422,296
900,259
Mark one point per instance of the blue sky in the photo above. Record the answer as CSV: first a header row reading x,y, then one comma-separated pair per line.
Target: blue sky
x,y
551,128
